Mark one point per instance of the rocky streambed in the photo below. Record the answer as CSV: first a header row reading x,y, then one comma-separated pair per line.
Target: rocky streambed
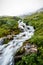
x,y
9,50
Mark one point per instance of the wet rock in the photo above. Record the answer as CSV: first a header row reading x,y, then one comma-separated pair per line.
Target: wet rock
x,y
26,49
2,40
10,37
30,48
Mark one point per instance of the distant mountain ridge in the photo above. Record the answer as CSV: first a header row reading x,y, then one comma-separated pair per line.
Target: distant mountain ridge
x,y
30,13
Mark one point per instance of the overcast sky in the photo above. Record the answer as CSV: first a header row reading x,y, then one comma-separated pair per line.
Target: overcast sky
x,y
17,7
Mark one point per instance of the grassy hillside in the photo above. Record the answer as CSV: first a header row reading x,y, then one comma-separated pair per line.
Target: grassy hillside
x,y
35,20
8,25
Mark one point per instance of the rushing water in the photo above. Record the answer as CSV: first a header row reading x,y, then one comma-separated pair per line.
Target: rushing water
x,y
8,51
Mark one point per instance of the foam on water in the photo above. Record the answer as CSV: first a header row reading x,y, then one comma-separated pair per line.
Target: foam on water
x,y
8,51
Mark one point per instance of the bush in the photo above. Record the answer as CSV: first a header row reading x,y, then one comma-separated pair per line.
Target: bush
x,y
36,20
31,59
8,25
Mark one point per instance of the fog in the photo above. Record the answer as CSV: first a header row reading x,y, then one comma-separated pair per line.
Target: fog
x,y
19,7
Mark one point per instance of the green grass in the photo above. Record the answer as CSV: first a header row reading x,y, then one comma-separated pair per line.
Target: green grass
x,y
8,25
30,59
35,20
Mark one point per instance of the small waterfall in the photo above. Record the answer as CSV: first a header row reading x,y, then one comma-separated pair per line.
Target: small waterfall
x,y
8,51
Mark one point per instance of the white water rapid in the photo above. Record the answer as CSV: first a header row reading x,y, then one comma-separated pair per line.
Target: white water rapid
x,y
8,51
